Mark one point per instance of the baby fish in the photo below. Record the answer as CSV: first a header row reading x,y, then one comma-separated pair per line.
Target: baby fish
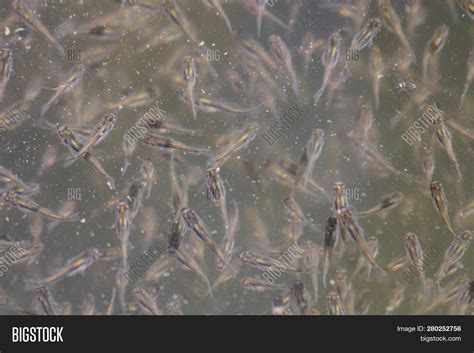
x,y
350,224
415,256
74,266
211,105
440,203
6,68
260,6
26,14
189,77
329,243
146,303
189,262
123,225
311,262
329,59
260,285
241,142
228,241
445,139
47,302
74,77
469,76
28,206
392,22
70,140
334,304
176,15
310,155
128,148
376,70
428,163
390,201
168,144
216,191
263,262
434,46
100,132
364,38
199,229
283,55
454,254
220,10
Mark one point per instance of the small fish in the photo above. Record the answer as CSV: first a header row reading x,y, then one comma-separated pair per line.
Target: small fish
x,y
308,47
110,306
122,226
6,68
283,55
146,303
26,205
468,7
310,155
136,100
330,242
67,210
390,201
334,304
199,229
469,76
392,22
415,256
168,144
294,211
74,77
189,262
148,175
298,295
396,299
220,10
329,59
70,140
339,197
263,262
211,105
176,233
128,149
445,139
260,285
311,262
176,15
364,38
350,224
260,6
376,70
100,132
27,252
454,254
216,191
440,203
74,266
8,177
280,306
26,14
48,159
189,77
428,164
241,142
434,46
47,302
365,122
